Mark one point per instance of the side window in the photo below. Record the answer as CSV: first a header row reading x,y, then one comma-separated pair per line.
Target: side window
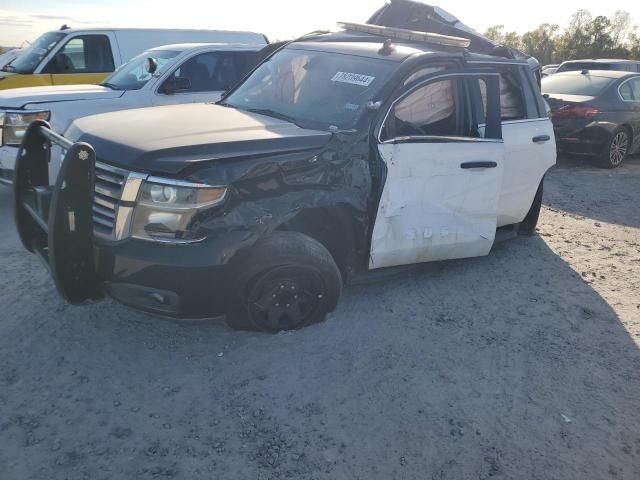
x,y
423,72
512,100
630,91
83,54
626,92
635,86
511,96
433,109
211,71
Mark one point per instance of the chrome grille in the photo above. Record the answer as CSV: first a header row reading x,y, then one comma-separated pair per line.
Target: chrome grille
x,y
109,183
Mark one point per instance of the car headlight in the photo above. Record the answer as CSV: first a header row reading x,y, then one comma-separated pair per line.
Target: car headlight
x,y
16,124
168,210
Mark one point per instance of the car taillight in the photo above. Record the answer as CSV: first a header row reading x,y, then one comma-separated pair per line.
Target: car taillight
x,y
575,111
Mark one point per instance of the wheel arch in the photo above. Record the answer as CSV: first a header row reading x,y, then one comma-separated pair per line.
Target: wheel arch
x,y
336,228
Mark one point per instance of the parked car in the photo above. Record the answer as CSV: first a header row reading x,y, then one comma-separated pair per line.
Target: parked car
x,y
549,70
596,113
165,75
599,64
341,153
77,56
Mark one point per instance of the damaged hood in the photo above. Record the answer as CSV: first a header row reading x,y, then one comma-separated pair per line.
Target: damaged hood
x,y
171,138
414,15
21,97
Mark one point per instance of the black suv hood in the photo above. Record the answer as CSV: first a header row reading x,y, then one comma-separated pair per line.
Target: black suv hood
x,y
170,139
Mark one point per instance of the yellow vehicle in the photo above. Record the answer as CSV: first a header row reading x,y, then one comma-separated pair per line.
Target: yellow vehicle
x,y
81,56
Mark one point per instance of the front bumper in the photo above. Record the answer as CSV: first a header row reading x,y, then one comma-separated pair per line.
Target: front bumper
x,y
182,281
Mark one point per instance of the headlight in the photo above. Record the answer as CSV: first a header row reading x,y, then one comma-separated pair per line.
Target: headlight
x,y
16,124
168,210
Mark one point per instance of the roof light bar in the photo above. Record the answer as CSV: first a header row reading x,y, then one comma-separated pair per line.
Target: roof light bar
x,y
402,34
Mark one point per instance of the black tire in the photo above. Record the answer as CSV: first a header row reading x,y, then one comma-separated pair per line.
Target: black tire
x,y
530,222
286,281
617,149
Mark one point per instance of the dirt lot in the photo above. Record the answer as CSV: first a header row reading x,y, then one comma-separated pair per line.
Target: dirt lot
x,y
521,365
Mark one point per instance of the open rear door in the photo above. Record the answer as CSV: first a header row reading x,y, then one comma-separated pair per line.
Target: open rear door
x,y
56,222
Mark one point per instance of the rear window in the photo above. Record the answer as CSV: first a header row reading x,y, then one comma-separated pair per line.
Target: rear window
x,y
577,66
587,85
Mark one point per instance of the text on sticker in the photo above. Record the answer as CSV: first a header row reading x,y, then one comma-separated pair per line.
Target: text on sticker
x,y
353,78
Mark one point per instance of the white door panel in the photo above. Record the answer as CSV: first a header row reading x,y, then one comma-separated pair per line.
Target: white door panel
x,y
525,164
431,208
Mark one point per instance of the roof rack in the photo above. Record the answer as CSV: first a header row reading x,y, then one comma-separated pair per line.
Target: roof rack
x,y
402,34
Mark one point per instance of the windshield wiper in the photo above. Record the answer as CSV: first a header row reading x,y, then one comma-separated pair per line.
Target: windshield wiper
x,y
9,68
272,113
110,85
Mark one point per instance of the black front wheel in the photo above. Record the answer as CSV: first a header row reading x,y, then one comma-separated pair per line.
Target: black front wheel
x,y
287,281
617,149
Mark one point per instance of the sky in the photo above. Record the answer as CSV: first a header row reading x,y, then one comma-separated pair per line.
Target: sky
x,y
25,20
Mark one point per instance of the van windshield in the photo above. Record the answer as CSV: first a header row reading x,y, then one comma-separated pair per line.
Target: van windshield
x,y
30,58
319,90
133,75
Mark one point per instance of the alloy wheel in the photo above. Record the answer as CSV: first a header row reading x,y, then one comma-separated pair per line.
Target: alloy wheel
x,y
619,148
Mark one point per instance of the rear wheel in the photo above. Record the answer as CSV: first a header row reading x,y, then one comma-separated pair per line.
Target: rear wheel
x,y
287,281
617,149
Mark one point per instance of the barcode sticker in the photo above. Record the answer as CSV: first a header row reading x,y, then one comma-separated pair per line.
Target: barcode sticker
x,y
353,78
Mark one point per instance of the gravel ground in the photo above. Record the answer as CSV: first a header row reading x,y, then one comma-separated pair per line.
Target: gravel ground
x,y
524,364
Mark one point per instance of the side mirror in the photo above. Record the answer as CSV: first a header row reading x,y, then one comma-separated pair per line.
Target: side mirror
x,y
151,65
177,84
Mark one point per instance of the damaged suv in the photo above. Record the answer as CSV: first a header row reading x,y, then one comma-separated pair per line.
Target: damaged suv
x,y
342,153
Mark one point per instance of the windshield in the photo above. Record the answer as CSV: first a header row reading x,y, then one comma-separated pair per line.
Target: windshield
x,y
314,89
133,75
587,85
31,57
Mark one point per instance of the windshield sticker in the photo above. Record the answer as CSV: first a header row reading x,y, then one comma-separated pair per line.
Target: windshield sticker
x,y
352,106
353,78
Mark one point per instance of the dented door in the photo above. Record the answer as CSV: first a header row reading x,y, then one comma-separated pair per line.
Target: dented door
x,y
441,192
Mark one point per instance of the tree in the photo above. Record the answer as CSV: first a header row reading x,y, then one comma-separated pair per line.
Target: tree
x,y
585,36
497,34
542,43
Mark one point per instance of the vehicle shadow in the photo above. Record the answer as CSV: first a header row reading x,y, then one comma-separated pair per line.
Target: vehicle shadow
x,y
578,186
509,366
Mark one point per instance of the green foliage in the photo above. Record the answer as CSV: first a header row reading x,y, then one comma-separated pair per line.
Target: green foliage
x,y
585,36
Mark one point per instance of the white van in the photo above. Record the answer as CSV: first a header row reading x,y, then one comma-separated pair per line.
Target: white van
x,y
167,75
76,56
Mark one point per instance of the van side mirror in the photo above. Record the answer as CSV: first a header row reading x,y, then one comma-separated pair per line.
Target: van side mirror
x,y
176,85
151,65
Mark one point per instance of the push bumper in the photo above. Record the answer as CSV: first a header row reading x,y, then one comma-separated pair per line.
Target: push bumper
x,y
55,222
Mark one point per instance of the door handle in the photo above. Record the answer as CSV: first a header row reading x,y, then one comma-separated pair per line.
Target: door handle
x,y
472,165
541,139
